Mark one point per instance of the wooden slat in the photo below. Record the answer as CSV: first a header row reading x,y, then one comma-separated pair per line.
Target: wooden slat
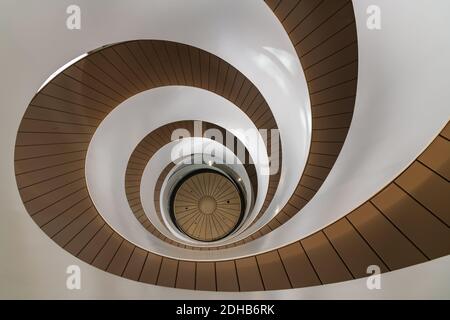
x,y
298,266
65,94
352,248
341,40
39,113
52,161
135,265
107,253
249,275
427,188
45,215
283,8
80,87
272,271
121,258
168,273
74,227
28,152
90,251
317,18
226,276
85,236
35,177
48,200
446,131
152,268
78,74
30,138
69,108
35,190
298,14
322,24
205,276
53,224
393,247
338,59
328,265
273,3
186,275
417,223
437,158
105,60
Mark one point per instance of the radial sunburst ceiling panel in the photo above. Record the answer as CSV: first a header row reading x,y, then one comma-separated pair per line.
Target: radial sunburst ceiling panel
x,y
207,206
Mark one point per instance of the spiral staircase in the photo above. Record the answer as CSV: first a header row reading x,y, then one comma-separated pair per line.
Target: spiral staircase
x,y
355,176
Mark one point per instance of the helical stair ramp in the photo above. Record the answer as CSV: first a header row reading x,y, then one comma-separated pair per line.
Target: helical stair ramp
x,y
338,135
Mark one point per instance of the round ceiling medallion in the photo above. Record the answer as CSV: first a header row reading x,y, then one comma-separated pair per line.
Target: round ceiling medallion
x,y
207,206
